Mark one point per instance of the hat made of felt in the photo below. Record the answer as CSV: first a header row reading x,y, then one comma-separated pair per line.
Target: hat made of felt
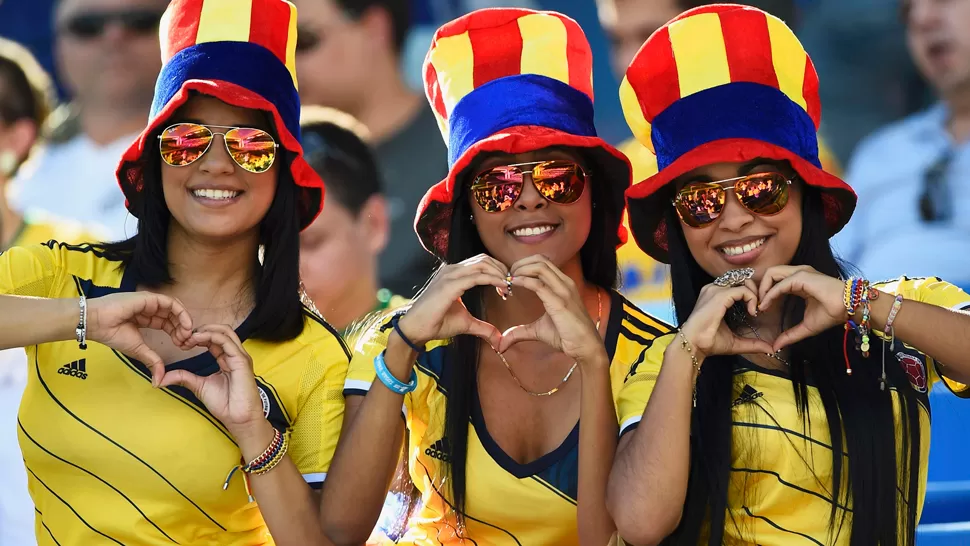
x,y
512,81
723,83
242,52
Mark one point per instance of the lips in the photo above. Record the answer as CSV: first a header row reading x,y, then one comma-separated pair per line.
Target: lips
x,y
738,249
532,231
215,194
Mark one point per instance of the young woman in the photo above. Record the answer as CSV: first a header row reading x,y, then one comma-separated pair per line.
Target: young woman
x,y
175,378
526,223
768,424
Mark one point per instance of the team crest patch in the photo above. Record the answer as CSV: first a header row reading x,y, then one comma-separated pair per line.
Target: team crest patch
x,y
265,398
915,370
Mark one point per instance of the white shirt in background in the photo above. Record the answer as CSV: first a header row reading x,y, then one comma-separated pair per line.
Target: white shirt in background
x,y
16,507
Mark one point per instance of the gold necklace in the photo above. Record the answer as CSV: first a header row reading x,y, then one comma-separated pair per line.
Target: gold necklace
x,y
599,316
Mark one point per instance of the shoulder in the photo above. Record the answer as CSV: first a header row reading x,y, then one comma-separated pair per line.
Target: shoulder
x,y
632,331
931,290
85,261
322,338
899,133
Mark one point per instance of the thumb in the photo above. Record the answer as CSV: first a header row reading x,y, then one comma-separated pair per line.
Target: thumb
x,y
184,378
792,335
743,345
150,358
484,330
517,334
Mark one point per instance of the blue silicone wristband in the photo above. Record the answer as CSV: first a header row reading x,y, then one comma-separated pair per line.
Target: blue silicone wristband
x,y
391,382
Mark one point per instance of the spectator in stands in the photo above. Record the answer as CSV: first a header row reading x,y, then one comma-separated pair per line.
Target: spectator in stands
x,y
348,57
912,215
26,99
339,250
108,57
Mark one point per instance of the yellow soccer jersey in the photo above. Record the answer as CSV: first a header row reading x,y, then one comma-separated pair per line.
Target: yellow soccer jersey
x,y
110,460
508,503
780,494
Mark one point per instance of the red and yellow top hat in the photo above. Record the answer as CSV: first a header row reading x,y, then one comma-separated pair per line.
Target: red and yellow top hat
x,y
512,81
723,83
242,52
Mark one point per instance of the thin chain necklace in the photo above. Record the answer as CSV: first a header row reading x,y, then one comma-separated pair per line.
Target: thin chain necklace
x,y
599,317
777,354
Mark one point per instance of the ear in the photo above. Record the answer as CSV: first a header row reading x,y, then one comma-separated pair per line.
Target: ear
x,y
19,138
374,224
377,21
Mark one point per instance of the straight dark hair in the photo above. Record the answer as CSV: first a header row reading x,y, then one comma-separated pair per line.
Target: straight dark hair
x,y
598,259
278,314
875,481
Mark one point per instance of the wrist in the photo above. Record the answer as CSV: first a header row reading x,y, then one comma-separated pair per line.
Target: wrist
x,y
399,358
597,360
404,327
253,438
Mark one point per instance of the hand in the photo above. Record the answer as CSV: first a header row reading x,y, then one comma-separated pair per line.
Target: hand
x,y
566,325
438,313
823,295
709,333
114,320
230,394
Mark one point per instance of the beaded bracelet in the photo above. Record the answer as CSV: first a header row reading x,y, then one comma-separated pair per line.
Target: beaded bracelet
x,y
262,464
685,345
864,326
897,303
81,331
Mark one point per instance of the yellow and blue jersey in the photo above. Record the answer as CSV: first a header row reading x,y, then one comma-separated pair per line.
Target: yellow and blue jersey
x,y
781,464
111,460
508,503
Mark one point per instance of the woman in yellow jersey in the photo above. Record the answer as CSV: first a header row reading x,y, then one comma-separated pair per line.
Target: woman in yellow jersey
x,y
527,225
175,379
791,407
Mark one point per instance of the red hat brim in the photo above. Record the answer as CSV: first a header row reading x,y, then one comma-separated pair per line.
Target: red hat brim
x,y
130,170
647,200
433,219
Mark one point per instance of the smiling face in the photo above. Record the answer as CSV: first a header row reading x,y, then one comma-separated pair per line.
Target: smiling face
x,y
533,224
738,237
213,197
939,40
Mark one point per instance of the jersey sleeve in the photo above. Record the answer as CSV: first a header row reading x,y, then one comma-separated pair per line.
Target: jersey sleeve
x,y
639,383
933,291
371,342
33,270
314,434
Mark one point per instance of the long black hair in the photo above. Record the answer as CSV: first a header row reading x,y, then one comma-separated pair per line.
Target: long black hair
x,y
598,259
881,490
278,314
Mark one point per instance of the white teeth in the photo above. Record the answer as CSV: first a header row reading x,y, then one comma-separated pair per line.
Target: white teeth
x,y
215,194
532,231
736,250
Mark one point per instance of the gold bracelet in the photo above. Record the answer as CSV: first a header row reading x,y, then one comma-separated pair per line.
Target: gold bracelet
x,y
684,344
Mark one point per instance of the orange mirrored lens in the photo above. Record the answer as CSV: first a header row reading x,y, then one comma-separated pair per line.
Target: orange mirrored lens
x,y
561,182
764,194
700,204
497,189
184,143
253,149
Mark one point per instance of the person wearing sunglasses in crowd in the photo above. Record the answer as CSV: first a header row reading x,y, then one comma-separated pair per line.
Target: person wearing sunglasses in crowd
x,y
526,223
339,250
175,378
791,406
108,57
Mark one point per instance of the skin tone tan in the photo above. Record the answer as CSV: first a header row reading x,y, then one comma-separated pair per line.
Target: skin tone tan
x,y
652,463
940,45
548,321
18,138
112,76
342,69
212,250
338,259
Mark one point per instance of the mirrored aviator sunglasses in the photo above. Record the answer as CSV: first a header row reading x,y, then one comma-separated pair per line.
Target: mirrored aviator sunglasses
x,y
558,181
182,144
701,203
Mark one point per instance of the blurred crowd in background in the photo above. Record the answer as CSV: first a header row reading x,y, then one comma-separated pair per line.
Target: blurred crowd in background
x,y
895,84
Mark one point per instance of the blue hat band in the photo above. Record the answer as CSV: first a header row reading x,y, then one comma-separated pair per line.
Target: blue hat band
x,y
245,64
731,111
514,101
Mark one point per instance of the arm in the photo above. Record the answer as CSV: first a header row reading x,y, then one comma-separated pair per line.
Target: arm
x,y
597,445
653,462
26,321
368,454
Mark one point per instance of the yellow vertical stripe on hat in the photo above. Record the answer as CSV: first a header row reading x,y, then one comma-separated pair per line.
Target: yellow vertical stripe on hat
x,y
225,21
788,58
291,47
698,46
454,61
544,44
634,114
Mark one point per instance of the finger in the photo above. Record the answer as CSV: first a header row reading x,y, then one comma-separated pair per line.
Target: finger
x,y
183,378
149,358
486,331
792,336
458,287
752,305
775,274
223,329
540,259
744,345
542,271
550,300
229,355
794,284
517,334
485,259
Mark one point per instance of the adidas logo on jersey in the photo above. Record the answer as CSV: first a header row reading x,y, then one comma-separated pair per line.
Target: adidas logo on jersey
x,y
78,369
438,450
